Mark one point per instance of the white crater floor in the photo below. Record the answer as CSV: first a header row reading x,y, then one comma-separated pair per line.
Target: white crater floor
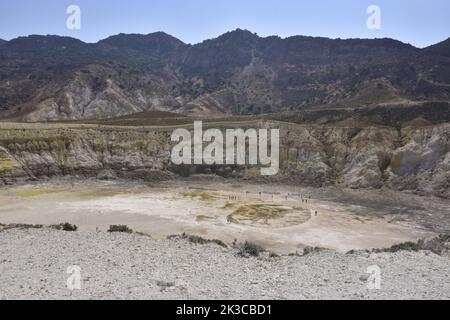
x,y
204,209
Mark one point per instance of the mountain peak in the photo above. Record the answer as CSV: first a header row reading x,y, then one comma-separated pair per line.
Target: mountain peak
x,y
45,41
235,37
42,43
242,31
153,43
239,34
47,38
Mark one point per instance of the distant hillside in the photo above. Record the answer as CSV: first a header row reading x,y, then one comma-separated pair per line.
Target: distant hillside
x,y
238,73
441,48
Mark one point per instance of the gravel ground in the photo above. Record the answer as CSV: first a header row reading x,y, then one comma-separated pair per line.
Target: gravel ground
x,y
34,262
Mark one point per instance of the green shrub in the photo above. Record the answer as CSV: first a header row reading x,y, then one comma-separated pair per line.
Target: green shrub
x,y
273,255
64,226
23,226
309,250
219,243
119,228
404,246
438,245
200,240
249,249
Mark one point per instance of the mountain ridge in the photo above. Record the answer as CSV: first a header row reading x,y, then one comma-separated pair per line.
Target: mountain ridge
x,y
237,30
53,77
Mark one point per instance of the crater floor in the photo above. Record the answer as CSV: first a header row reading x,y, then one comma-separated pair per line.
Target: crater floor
x,y
282,219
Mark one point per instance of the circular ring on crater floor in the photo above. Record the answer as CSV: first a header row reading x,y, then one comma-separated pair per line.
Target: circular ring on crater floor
x,y
269,215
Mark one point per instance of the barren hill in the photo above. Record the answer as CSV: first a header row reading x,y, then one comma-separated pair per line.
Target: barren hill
x,y
239,73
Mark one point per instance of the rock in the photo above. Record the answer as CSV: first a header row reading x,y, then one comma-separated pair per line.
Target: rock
x,y
417,159
107,174
364,277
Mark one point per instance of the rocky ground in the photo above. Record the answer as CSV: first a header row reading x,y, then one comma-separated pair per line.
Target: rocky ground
x,y
34,262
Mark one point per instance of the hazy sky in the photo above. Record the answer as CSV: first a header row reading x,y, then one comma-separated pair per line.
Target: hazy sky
x,y
419,22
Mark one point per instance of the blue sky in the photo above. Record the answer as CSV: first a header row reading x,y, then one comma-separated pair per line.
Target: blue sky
x,y
419,22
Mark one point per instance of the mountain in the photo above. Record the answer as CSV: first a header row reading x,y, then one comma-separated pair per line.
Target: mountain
x,y
51,77
441,48
156,44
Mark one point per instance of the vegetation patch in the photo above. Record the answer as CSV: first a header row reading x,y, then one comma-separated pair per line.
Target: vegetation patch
x,y
64,227
249,249
273,255
404,246
21,226
438,245
204,196
256,212
310,250
36,192
200,240
120,228
6,164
